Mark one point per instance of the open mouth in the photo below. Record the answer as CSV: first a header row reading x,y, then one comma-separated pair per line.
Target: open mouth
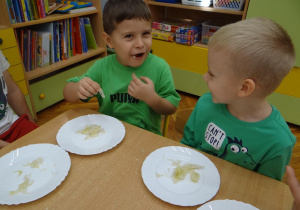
x,y
138,55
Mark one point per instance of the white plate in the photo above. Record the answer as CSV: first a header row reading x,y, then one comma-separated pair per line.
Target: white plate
x,y
53,165
157,170
227,205
69,138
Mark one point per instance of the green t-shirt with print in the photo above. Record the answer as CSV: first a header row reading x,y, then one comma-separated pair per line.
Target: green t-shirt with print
x,y
265,146
114,80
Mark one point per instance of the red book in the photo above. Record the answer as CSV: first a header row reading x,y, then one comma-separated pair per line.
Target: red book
x,y
78,46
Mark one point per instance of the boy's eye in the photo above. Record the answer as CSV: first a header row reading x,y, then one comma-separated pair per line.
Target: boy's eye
x,y
129,36
146,33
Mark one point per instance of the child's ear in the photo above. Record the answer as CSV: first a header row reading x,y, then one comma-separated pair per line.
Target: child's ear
x,y
247,88
107,40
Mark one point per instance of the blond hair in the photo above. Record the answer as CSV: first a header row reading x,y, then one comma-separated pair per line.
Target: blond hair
x,y
259,48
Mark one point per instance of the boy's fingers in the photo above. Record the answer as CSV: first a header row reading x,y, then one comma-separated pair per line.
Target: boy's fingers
x,y
135,79
146,80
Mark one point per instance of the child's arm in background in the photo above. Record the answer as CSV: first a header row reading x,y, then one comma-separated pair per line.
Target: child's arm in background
x,y
3,144
294,186
83,89
146,92
15,97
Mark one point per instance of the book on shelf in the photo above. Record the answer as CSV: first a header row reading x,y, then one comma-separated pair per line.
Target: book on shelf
x,y
90,38
43,49
24,10
45,44
27,10
53,7
84,9
11,11
78,44
34,8
17,11
19,4
83,35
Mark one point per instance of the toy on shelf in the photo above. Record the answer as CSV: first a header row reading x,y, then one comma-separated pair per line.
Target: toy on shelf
x,y
79,4
70,5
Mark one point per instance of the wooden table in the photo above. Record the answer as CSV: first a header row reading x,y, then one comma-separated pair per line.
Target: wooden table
x,y
112,180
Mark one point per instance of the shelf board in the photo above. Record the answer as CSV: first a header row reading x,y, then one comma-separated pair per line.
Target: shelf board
x,y
53,17
206,9
3,27
61,64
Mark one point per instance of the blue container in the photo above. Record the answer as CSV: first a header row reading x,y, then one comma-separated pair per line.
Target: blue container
x,y
169,1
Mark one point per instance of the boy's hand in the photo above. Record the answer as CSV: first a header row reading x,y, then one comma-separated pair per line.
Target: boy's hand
x,y
86,87
140,90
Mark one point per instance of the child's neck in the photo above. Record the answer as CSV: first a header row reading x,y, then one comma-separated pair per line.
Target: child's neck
x,y
250,111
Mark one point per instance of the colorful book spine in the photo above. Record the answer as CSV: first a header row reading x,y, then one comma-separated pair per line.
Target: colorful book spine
x,y
29,15
17,11
35,12
56,32
24,10
83,35
46,4
90,38
21,10
11,11
73,37
61,39
78,44
42,8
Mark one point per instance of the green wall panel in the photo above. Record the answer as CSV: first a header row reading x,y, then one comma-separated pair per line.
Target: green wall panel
x,y
286,13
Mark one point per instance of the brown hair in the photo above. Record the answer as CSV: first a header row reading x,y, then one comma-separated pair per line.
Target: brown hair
x,y
115,11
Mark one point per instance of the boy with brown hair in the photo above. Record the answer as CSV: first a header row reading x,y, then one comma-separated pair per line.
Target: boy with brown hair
x,y
247,61
138,86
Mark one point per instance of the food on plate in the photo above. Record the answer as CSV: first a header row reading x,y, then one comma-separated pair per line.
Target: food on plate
x,y
36,163
181,171
19,172
23,186
91,131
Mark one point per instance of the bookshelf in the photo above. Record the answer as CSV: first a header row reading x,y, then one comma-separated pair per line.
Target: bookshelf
x,y
43,89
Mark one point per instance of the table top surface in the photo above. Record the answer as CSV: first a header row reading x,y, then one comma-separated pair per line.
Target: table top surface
x,y
112,179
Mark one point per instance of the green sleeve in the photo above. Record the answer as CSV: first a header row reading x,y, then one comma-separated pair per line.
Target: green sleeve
x,y
275,166
166,85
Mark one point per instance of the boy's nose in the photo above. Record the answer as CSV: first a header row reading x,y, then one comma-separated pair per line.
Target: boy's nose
x,y
139,42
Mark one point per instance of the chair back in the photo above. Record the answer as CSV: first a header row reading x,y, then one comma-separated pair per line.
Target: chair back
x,y
166,125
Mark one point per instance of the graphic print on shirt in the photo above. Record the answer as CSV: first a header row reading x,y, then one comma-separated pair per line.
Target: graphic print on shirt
x,y
238,153
3,99
214,136
123,98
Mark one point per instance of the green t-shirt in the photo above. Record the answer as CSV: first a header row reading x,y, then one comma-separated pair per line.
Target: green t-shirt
x,y
114,80
265,146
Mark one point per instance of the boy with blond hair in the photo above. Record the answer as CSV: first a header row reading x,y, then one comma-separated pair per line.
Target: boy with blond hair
x,y
138,86
247,61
